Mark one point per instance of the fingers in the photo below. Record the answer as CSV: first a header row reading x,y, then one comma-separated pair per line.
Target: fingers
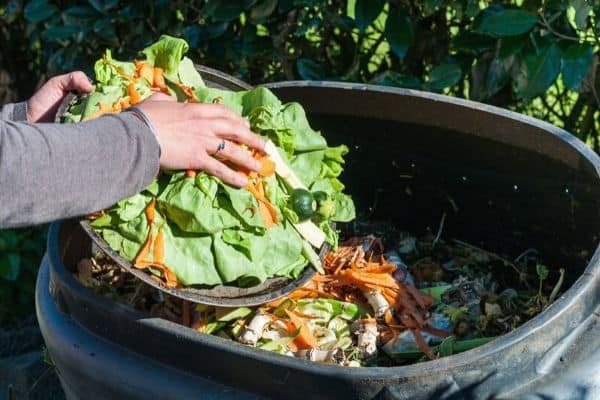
x,y
222,149
159,96
236,131
75,81
222,171
202,111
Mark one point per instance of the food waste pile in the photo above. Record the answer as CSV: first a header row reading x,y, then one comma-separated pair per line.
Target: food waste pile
x,y
420,298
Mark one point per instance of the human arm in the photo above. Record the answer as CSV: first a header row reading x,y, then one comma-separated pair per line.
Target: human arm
x,y
52,171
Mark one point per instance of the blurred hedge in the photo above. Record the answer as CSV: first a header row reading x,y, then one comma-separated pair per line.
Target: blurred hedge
x,y
536,57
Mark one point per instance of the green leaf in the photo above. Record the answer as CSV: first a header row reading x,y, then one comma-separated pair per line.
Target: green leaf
x,y
538,71
510,46
366,11
488,77
310,70
437,291
225,10
500,22
542,271
473,43
227,314
446,348
444,75
399,32
10,266
39,10
188,75
578,12
166,53
262,10
577,61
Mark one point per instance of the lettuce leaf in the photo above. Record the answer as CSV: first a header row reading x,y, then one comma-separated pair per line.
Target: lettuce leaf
x,y
188,75
166,53
213,233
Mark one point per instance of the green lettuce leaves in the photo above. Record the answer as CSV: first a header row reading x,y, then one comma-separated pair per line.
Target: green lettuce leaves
x,y
213,233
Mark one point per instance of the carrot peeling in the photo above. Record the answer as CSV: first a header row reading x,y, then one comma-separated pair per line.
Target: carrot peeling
x,y
159,79
305,339
134,96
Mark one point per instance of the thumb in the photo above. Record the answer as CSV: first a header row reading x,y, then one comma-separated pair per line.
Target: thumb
x,y
75,81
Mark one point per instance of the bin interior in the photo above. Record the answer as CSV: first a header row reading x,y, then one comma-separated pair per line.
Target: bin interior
x,y
500,197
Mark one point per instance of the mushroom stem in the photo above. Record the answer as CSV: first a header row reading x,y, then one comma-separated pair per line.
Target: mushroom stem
x,y
377,302
367,335
254,330
335,356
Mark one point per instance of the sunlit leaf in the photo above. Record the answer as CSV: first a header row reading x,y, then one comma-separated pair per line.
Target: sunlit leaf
x,y
538,71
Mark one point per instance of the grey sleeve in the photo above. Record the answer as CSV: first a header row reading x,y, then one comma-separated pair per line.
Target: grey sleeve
x,y
14,112
54,171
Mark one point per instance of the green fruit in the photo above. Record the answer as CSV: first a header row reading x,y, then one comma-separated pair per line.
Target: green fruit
x,y
303,203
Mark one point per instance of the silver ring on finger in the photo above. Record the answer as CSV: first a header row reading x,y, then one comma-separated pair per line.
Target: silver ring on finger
x,y
220,147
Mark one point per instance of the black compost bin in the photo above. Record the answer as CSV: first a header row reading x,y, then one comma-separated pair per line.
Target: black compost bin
x,y
505,181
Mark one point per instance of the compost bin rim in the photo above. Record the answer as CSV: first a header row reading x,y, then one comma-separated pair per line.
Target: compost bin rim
x,y
558,133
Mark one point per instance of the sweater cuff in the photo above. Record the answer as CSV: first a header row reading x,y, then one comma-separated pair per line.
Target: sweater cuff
x,y
14,112
150,148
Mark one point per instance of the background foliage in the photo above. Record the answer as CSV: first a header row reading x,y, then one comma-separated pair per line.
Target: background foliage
x,y
538,57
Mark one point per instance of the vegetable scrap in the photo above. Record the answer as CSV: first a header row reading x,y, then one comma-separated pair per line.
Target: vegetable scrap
x,y
189,228
419,299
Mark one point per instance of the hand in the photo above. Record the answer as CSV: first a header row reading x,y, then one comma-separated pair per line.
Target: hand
x,y
42,106
192,135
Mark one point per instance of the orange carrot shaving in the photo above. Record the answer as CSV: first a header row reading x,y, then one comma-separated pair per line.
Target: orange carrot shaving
x,y
265,214
189,93
159,79
144,251
145,70
190,173
150,211
305,338
267,167
134,96
140,260
267,211
124,104
159,247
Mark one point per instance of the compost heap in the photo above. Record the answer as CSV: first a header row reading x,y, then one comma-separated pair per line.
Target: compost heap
x,y
191,229
419,299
